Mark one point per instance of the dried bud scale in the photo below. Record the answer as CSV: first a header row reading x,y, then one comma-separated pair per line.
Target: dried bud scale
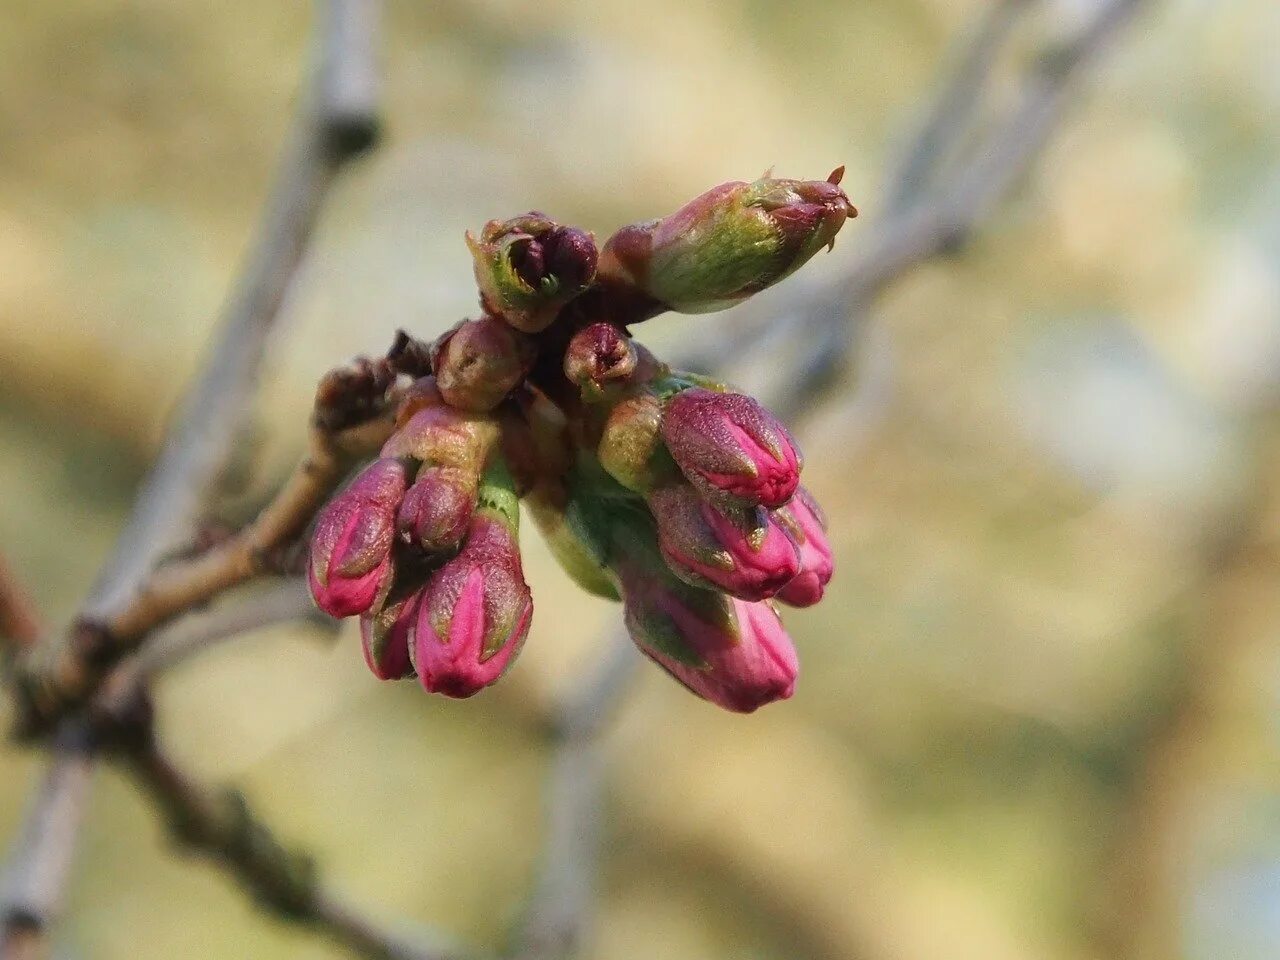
x,y
660,488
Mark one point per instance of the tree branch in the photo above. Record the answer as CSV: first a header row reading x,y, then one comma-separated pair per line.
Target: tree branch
x,y
221,826
556,917
42,857
337,121
913,234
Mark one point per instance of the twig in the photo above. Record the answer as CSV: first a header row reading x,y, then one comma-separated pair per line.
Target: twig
x,y
41,861
337,122
19,628
221,826
556,917
289,602
951,115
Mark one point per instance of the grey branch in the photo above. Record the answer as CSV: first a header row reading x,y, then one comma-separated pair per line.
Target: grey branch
x,y
940,222
556,917
337,121
45,849
287,602
831,320
220,826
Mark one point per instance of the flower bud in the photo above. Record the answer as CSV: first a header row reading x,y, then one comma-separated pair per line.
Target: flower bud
x,y
730,447
804,521
529,267
630,448
351,547
476,609
598,357
440,435
478,362
385,634
419,395
734,240
733,653
437,508
743,551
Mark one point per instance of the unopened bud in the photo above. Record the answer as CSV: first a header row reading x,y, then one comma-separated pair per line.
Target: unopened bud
x,y
729,446
529,267
351,546
386,632
740,550
599,357
437,508
441,435
734,240
631,448
476,609
733,653
804,521
479,362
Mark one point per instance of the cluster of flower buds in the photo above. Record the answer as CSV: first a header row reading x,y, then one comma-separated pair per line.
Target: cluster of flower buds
x,y
660,488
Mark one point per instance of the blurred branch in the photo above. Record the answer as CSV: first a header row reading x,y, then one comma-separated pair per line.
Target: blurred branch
x,y
19,629
286,602
559,908
220,825
1136,914
338,121
40,863
951,114
971,186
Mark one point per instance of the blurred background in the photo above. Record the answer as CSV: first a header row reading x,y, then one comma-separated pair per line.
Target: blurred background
x,y
1037,716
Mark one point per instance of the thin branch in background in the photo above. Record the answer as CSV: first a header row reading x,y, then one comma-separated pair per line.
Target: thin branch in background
x,y
938,224
220,825
287,602
951,117
833,320
557,914
19,627
338,121
40,864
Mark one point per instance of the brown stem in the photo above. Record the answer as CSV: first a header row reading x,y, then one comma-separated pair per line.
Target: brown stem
x,y
221,826
55,684
19,629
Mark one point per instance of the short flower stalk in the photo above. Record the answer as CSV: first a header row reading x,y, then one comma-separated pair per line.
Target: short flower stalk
x,y
660,488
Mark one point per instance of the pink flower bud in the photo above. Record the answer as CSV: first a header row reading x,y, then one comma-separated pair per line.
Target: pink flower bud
x,y
804,521
437,508
351,547
385,634
599,356
733,653
743,551
479,362
723,246
728,445
476,609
